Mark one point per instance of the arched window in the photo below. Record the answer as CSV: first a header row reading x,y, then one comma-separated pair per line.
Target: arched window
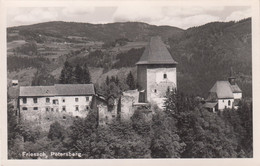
x,y
164,76
228,102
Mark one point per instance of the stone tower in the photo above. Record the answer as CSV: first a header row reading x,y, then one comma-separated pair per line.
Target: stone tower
x,y
156,71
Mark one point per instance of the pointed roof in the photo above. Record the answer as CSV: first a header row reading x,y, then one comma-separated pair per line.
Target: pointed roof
x,y
156,53
222,90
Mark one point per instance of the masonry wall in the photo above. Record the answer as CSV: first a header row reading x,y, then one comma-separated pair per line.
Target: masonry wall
x,y
142,77
157,84
237,95
105,116
44,119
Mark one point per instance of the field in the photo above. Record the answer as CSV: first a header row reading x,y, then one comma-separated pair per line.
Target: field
x,y
59,52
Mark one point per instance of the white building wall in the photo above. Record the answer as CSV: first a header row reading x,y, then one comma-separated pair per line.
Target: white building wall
x,y
237,95
70,104
156,81
171,74
223,103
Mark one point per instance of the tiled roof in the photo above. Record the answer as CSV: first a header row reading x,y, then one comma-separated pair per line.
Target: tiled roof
x,y
235,88
156,53
210,105
212,97
222,89
37,91
58,90
74,89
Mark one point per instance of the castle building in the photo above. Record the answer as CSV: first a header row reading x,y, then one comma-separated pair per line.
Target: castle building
x,y
70,98
156,72
224,94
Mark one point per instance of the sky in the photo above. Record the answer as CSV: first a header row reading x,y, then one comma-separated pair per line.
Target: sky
x,y
179,16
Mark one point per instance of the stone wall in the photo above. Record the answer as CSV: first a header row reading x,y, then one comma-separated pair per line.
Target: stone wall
x,y
128,99
44,119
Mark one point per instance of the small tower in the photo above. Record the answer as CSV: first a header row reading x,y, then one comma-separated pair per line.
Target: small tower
x,y
231,78
156,71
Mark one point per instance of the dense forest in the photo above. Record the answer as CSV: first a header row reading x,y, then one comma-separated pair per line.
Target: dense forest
x,y
183,130
206,54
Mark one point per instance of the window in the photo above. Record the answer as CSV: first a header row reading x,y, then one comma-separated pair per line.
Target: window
x,y
35,99
47,109
77,116
229,102
64,108
87,107
47,100
164,76
155,91
24,100
77,108
76,99
24,108
63,100
87,98
55,101
64,117
35,108
52,109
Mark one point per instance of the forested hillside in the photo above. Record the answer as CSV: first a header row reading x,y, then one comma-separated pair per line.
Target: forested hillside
x,y
97,32
204,54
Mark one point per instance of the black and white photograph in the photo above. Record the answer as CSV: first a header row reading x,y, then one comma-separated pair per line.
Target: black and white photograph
x,y
120,81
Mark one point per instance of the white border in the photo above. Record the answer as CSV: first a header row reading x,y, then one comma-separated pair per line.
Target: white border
x,y
114,162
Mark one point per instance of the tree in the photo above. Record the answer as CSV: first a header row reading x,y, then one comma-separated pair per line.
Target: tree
x,y
139,123
56,131
130,81
66,76
41,78
86,78
78,74
107,80
165,142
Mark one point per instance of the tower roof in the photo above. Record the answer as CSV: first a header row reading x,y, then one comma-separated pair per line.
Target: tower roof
x,y
156,53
